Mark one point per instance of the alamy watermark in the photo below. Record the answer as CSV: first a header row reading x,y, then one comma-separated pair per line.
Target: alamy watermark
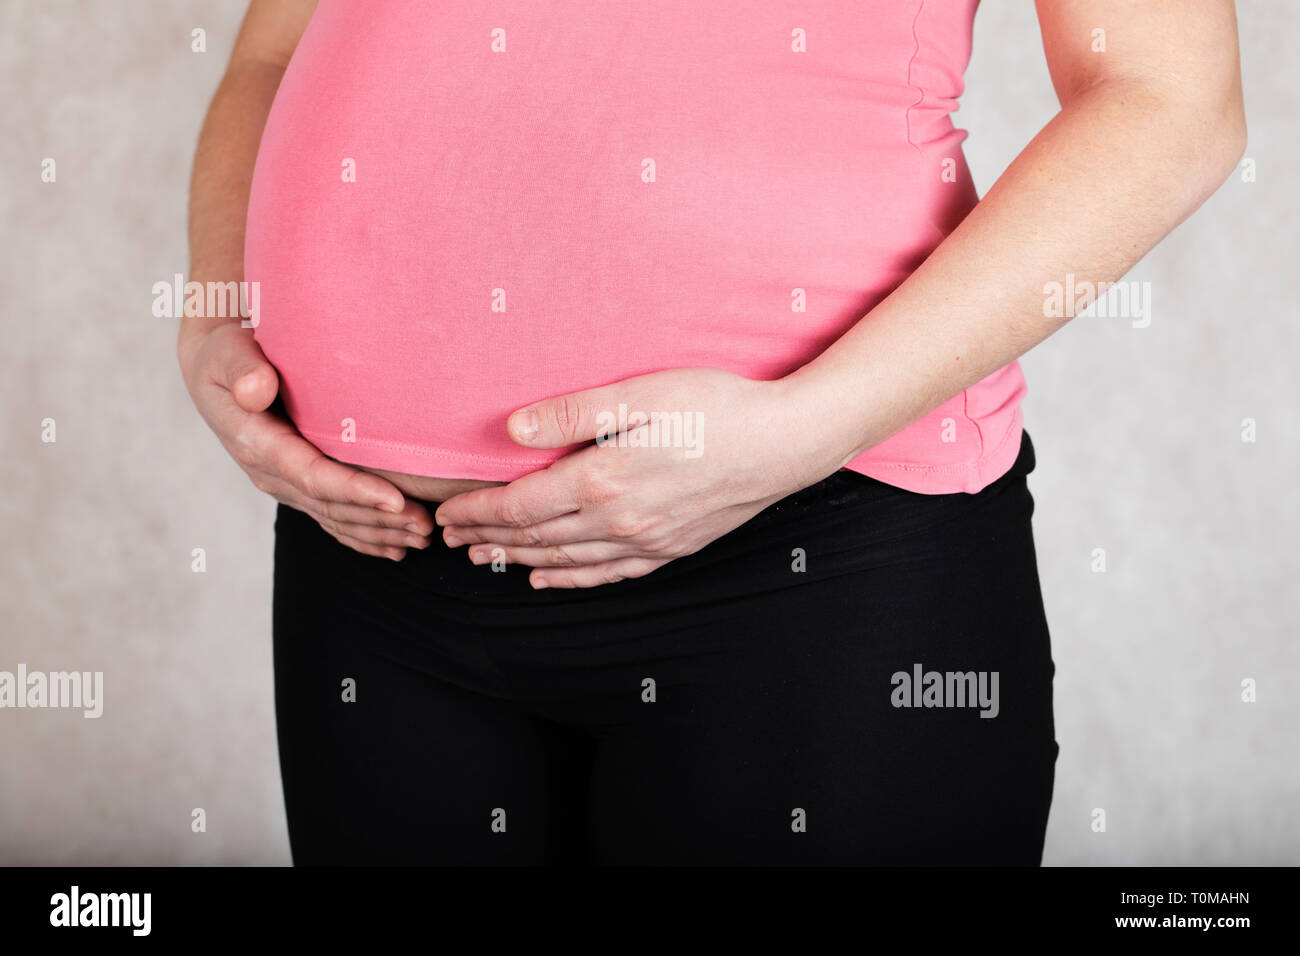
x,y
78,690
922,688
628,429
75,908
207,300
1101,300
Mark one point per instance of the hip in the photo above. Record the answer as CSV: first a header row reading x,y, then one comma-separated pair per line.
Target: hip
x,y
848,558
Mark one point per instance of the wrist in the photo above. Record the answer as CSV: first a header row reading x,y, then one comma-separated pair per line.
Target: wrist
x,y
193,330
191,335
819,428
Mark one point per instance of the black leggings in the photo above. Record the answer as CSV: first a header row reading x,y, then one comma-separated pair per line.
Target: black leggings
x,y
740,705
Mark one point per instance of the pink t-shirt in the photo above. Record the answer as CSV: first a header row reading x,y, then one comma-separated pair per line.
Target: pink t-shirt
x,y
462,208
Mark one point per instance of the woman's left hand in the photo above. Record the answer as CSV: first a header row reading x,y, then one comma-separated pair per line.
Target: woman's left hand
x,y
681,458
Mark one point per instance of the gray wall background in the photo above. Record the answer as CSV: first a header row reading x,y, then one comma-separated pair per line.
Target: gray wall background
x,y
1137,432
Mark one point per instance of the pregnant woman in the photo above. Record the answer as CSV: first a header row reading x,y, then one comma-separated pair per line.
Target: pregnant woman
x,y
639,385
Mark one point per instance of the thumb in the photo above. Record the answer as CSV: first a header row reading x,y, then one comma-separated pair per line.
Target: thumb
x,y
569,419
242,368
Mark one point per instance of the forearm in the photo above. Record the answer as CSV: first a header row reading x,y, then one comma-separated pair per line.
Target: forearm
x,y
1114,172
222,177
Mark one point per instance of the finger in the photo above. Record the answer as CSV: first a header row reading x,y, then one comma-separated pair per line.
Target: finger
x,y
532,499
412,518
416,516
578,416
593,576
566,529
374,550
370,534
376,538
562,556
255,390
280,450
239,366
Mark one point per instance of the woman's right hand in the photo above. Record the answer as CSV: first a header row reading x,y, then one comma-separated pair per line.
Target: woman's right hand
x,y
233,385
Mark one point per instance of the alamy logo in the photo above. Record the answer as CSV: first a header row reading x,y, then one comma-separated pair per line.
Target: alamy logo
x,y
179,299
1103,300
634,429
72,689
922,688
102,909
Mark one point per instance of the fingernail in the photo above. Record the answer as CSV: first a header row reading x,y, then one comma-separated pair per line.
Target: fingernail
x,y
540,583
526,424
414,529
479,557
452,540
418,542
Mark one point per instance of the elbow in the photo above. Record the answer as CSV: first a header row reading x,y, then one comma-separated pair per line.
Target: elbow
x,y
1212,145
1194,133
1225,144
1218,131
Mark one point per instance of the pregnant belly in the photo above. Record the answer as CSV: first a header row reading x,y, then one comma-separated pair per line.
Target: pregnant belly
x,y
442,234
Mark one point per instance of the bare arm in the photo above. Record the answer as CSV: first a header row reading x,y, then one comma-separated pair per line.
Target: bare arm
x,y
231,382
232,130
1148,130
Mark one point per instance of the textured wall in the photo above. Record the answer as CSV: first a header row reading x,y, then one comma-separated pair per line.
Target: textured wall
x,y
1138,433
